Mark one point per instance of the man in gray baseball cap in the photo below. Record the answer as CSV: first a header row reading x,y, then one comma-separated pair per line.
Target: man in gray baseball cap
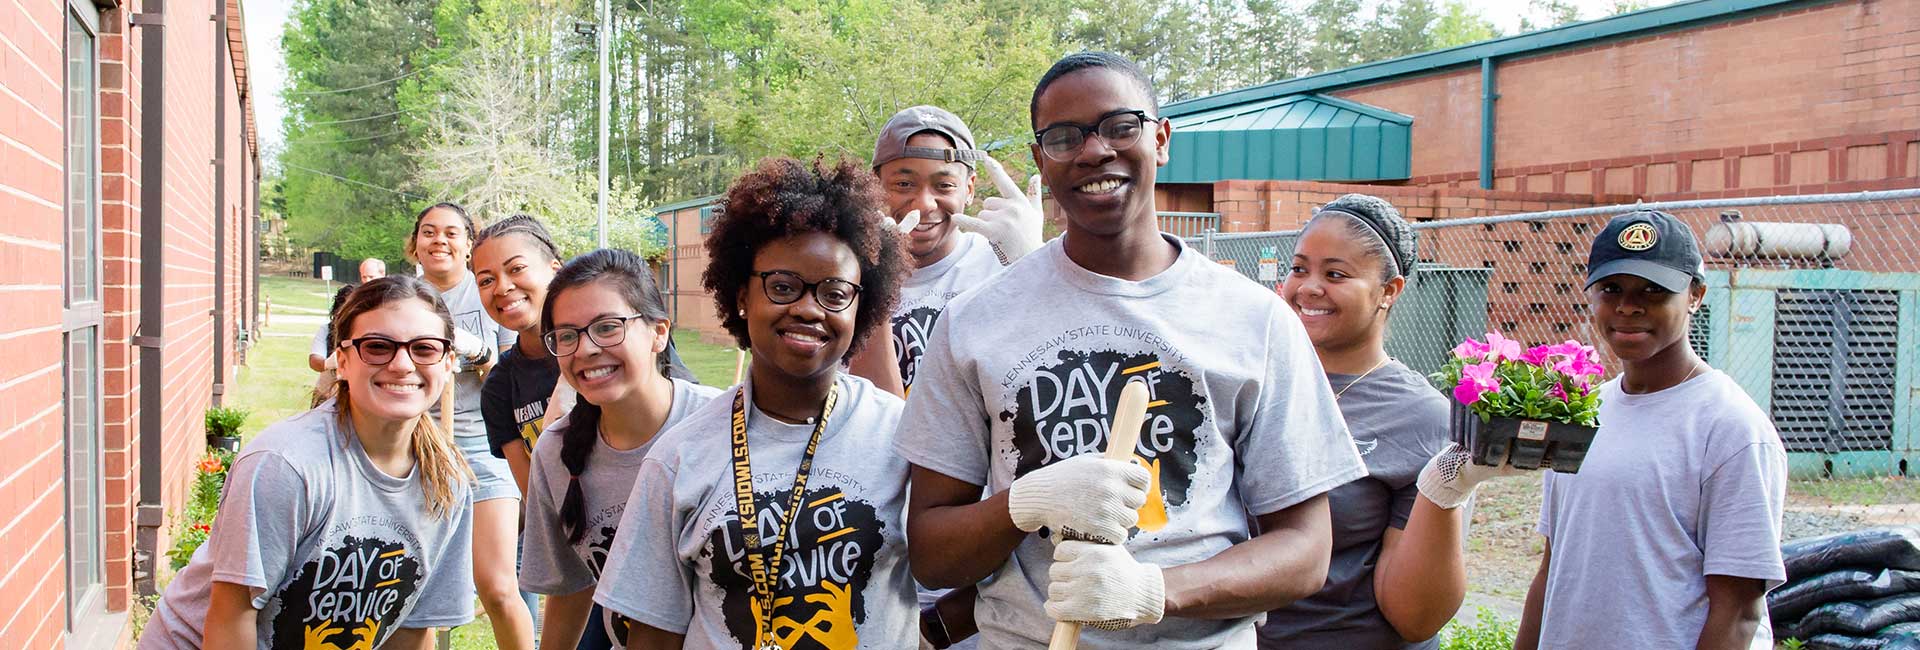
x,y
927,159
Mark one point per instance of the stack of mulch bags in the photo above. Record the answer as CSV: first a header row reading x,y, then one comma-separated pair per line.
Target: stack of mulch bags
x,y
1851,591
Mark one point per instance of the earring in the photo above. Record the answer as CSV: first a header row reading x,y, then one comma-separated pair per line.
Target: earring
x,y
743,313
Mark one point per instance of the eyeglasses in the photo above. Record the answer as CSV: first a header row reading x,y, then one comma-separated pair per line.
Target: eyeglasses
x,y
1120,129
379,350
605,332
785,287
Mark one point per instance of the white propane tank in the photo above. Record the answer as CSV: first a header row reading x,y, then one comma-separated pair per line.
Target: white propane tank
x,y
1790,240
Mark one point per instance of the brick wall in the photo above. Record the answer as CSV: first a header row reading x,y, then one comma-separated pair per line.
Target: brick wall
x,y
693,308
33,151
1822,97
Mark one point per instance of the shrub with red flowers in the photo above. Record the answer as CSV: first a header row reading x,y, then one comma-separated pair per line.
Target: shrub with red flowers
x,y
210,478
1497,378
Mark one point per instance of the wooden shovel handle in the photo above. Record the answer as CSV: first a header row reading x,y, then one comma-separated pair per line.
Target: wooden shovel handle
x,y
1128,416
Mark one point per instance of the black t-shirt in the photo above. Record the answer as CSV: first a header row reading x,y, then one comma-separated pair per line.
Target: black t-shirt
x,y
514,400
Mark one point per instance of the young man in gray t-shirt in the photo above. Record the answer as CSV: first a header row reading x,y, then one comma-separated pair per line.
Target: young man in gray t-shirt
x,y
1019,381
1669,536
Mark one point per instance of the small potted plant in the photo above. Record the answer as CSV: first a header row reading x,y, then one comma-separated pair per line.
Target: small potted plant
x,y
223,427
1529,409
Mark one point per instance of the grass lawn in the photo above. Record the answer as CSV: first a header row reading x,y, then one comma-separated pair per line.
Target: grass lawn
x,y
276,382
713,364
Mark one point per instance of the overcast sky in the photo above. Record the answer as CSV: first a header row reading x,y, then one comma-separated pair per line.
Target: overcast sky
x,y
265,18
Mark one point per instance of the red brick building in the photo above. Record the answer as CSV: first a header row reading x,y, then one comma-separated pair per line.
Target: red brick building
x,y
1694,100
126,276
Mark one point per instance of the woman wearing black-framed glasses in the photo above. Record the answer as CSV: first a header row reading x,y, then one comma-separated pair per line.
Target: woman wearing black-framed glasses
x,y
804,269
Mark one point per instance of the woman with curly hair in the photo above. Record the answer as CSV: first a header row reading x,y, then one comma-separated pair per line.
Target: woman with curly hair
x,y
804,268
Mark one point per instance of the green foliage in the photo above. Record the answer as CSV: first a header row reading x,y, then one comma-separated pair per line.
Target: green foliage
x,y
225,421
855,64
1461,25
196,523
1489,631
395,104
1792,644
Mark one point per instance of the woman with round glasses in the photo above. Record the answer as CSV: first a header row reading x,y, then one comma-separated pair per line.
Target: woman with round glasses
x,y
772,518
607,326
345,526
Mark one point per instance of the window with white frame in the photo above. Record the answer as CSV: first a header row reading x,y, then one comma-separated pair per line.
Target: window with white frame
x,y
81,321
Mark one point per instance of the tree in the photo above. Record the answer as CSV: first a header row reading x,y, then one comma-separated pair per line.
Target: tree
x,y
1336,34
1461,25
1545,14
1400,28
826,81
346,164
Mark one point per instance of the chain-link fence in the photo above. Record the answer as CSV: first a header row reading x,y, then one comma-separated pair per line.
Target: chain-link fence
x,y
1813,305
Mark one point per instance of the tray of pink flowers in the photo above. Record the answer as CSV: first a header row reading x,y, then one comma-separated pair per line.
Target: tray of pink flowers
x,y
1529,408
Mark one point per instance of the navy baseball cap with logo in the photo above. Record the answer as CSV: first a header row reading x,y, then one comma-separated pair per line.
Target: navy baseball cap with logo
x,y
1649,244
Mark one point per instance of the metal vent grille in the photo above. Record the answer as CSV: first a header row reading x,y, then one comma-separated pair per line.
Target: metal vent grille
x,y
1700,332
1833,369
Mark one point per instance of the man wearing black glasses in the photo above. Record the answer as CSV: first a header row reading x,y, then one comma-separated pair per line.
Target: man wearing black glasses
x,y
1019,384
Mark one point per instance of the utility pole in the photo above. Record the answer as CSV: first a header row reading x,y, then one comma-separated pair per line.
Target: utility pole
x,y
602,35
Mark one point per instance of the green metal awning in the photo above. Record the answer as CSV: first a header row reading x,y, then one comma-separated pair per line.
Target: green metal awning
x,y
1298,137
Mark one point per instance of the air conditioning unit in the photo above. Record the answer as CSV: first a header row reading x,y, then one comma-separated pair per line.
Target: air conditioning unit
x,y
1833,356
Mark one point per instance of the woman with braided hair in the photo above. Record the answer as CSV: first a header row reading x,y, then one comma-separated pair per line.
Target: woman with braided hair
x,y
606,324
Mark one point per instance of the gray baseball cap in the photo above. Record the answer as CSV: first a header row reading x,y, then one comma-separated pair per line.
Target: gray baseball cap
x,y
892,144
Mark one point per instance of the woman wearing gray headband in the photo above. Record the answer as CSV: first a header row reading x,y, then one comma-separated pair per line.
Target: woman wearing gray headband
x,y
1398,572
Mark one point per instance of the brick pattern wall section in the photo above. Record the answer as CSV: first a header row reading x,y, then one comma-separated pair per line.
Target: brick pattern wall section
x,y
33,589
32,193
1823,97
1251,206
120,267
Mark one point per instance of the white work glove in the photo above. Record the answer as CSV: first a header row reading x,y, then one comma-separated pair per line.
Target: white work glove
x,y
1102,586
907,223
472,351
1084,497
559,403
1449,478
1011,221
332,362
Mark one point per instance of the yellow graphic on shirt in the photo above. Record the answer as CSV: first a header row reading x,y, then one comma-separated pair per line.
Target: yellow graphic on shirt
x,y
831,626
1153,513
530,432
363,636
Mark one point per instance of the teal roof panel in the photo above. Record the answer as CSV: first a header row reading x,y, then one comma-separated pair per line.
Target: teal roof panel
x,y
1298,137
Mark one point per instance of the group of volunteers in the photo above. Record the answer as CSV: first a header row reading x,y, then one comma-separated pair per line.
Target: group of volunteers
x,y
914,456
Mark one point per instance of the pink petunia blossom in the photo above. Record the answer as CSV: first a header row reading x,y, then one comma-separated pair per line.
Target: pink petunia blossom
x,y
1470,349
1558,393
1501,348
1475,381
1539,355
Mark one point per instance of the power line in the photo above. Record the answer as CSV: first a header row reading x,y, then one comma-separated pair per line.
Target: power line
x,y
359,139
357,119
296,93
309,170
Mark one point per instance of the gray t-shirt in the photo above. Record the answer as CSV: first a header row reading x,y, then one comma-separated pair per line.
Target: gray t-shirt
x,y
549,564
1024,371
1399,422
926,293
1679,484
678,564
335,550
463,302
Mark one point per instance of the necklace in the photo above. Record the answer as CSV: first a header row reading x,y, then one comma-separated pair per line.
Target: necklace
x,y
1690,373
1356,380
